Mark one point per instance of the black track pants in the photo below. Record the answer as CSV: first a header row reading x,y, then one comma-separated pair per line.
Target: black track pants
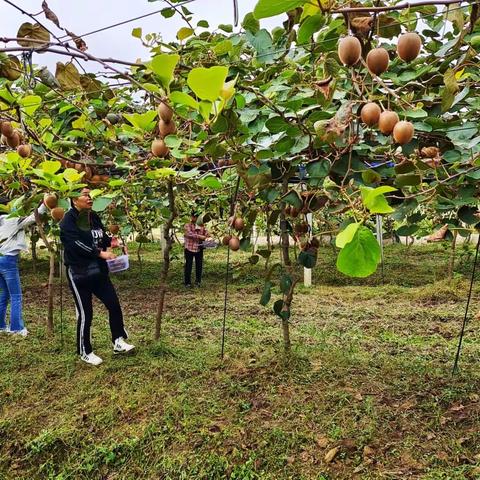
x,y
103,289
189,256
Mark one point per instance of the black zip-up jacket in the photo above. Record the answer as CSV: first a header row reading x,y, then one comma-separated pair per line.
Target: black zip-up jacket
x,y
83,237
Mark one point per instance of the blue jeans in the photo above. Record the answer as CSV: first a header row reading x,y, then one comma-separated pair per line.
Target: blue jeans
x,y
10,291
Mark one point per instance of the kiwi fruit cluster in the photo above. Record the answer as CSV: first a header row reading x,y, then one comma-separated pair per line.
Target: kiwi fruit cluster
x,y
350,52
166,126
232,241
14,139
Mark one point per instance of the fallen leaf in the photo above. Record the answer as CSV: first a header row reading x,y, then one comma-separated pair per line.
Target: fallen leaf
x,y
330,455
290,460
368,451
361,26
322,441
358,396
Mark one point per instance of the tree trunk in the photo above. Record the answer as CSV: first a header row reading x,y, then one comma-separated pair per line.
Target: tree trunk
x,y
166,259
50,293
283,227
139,256
33,249
451,262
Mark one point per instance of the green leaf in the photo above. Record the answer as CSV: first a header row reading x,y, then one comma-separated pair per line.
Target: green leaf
x,y
408,180
374,200
307,259
278,308
210,182
71,175
308,28
50,166
207,83
163,66
285,284
30,104
276,125
101,203
184,99
250,23
222,48
266,294
160,173
168,12
184,33
137,32
143,121
269,8
293,198
346,235
317,171
359,257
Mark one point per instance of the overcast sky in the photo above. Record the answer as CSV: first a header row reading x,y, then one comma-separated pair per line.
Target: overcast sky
x,y
82,16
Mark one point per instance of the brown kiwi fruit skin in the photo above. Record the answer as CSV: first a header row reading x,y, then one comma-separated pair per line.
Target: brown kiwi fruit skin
x,y
408,46
403,132
370,114
165,112
14,140
387,122
226,239
25,150
7,129
349,50
377,61
167,128
57,213
238,224
234,244
159,149
51,201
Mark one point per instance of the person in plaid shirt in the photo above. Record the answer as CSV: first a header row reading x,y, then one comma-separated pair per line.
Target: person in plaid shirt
x,y
194,236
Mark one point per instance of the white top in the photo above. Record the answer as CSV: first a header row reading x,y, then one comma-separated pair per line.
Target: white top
x,y
12,232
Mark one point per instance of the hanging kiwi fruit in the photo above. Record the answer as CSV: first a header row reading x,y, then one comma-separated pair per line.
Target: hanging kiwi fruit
x,y
349,50
403,132
370,114
387,121
408,46
377,61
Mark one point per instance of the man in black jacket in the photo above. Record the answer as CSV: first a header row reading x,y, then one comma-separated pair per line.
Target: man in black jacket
x,y
85,244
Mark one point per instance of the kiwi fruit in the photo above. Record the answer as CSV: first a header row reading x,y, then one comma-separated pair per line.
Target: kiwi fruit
x,y
114,229
57,213
104,178
6,129
370,114
24,150
166,128
238,224
301,228
226,239
88,173
96,179
387,122
234,244
165,112
78,167
408,46
14,140
51,201
377,61
159,149
403,132
349,50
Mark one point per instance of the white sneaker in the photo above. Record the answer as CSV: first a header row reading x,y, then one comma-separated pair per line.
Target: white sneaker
x,y
22,333
121,346
92,359
4,330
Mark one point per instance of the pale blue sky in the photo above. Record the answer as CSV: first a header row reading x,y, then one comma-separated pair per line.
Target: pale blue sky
x,y
87,15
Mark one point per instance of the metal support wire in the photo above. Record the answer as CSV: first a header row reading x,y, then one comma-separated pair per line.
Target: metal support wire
x,y
61,296
465,318
380,242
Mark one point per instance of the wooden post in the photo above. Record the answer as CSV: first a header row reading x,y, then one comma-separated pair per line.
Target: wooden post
x,y
307,272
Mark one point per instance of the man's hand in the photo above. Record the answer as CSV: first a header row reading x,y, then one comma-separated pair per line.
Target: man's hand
x,y
202,238
107,255
115,243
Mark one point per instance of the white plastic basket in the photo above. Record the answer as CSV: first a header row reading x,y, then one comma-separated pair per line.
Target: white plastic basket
x,y
118,264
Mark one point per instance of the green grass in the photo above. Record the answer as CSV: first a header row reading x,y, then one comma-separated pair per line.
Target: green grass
x,y
370,373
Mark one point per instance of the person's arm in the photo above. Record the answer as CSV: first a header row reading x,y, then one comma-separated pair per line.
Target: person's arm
x,y
190,233
30,220
71,239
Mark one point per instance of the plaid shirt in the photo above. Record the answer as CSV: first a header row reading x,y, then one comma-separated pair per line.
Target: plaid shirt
x,y
192,232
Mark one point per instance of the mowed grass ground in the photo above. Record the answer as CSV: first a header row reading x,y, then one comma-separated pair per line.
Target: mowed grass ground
x,y
367,392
